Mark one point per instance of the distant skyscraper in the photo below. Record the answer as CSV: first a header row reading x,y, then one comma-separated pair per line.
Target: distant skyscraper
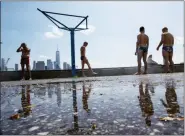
x,y
3,64
16,67
34,65
49,64
54,63
64,65
40,65
57,60
68,66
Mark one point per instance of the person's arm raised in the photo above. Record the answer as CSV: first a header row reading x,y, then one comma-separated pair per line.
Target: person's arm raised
x,y
19,49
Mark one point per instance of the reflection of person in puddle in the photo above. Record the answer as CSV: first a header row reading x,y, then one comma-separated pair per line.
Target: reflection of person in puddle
x,y
145,103
171,106
25,101
151,88
26,104
85,97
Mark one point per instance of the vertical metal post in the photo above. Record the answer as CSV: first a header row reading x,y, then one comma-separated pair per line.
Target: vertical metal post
x,y
73,53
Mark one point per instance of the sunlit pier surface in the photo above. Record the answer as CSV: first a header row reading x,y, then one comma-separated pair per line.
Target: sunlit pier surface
x,y
127,105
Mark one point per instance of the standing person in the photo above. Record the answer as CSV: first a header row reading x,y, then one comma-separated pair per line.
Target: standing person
x,y
167,40
142,45
84,59
25,59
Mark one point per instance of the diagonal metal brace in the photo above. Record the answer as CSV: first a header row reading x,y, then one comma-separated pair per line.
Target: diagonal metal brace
x,y
81,22
49,17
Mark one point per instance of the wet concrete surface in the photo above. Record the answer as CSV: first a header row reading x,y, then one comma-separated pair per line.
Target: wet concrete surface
x,y
127,105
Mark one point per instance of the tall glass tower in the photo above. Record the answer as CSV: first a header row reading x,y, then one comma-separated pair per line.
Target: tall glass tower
x,y
57,59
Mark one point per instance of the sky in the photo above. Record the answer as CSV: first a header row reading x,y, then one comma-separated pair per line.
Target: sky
x,y
113,28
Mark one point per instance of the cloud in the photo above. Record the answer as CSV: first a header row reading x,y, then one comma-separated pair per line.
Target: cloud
x,y
179,40
90,29
56,33
44,57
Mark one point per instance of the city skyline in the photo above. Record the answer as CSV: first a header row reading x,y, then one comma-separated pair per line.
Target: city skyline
x,y
37,65
108,45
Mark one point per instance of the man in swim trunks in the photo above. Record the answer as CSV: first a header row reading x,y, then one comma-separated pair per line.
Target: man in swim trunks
x,y
84,59
167,40
25,59
142,45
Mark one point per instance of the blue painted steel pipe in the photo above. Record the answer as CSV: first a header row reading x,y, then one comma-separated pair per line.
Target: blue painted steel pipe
x,y
73,53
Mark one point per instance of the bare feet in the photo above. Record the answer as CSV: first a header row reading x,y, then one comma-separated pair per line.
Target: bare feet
x,y
83,75
22,79
145,73
94,73
137,73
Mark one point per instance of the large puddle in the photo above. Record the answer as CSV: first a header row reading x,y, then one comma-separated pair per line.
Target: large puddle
x,y
127,105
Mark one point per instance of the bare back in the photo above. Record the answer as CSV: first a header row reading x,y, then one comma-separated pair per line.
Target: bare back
x,y
82,51
168,39
142,40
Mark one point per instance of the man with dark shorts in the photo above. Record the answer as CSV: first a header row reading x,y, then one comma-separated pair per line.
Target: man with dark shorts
x,y
167,40
142,45
25,59
84,59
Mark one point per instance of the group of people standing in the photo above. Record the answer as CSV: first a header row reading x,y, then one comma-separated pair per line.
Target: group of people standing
x,y
142,45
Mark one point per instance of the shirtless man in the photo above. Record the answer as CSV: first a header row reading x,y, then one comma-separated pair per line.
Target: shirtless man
x,y
142,45
167,40
84,59
25,59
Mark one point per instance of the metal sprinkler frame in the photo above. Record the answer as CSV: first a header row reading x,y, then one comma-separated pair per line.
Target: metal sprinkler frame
x,y
72,32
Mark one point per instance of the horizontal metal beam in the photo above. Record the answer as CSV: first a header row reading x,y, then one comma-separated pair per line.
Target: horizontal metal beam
x,y
65,28
62,14
80,29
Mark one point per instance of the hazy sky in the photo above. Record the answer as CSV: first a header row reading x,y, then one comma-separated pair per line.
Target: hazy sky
x,y
112,34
